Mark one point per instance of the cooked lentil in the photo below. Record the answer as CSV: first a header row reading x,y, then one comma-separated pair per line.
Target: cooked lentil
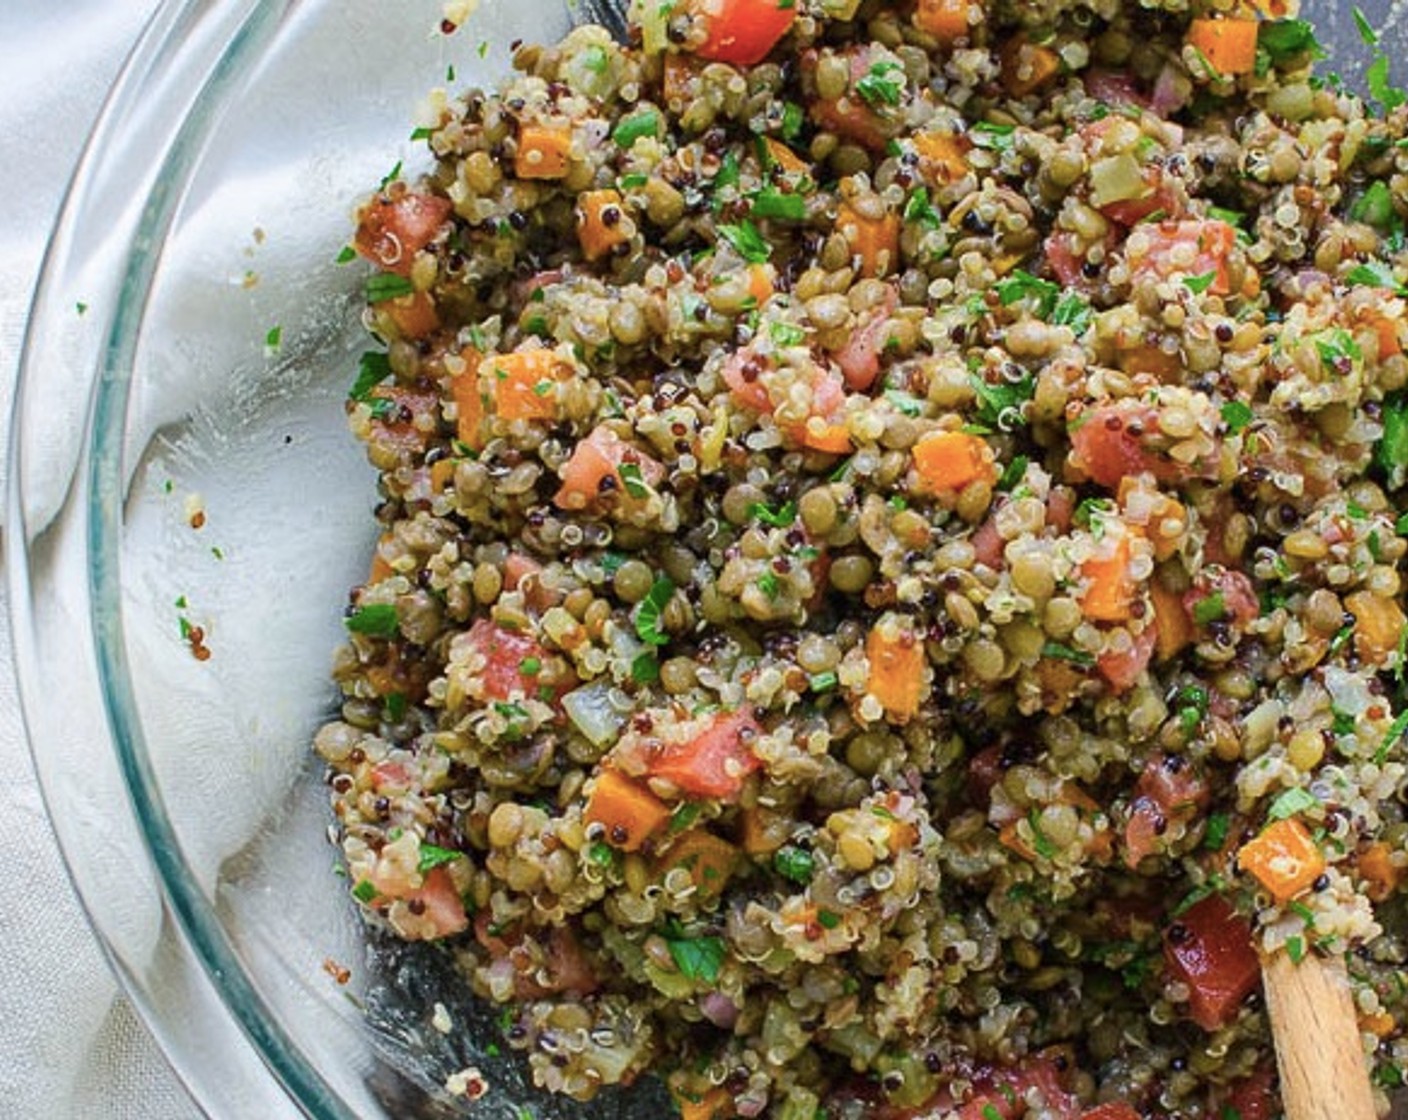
x,y
870,529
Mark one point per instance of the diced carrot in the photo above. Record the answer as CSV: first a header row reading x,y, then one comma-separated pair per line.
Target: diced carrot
x,y
896,670
785,157
414,315
543,151
716,1104
1229,45
469,403
762,831
945,156
397,224
1283,858
442,473
599,217
1380,874
948,461
1011,839
1110,592
1144,357
708,859
742,32
945,20
1380,1023
875,241
1378,624
1027,67
832,438
630,813
525,384
1122,668
1175,629
680,80
760,283
1386,331
380,568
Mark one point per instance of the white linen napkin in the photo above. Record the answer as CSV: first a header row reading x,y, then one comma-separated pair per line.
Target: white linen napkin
x,y
70,1045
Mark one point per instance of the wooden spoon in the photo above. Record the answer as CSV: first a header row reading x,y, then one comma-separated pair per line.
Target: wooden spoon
x,y
1323,1075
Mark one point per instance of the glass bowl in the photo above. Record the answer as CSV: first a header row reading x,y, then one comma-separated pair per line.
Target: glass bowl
x,y
181,460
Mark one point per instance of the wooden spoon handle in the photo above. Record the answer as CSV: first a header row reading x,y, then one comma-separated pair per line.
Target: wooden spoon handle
x,y
1323,1074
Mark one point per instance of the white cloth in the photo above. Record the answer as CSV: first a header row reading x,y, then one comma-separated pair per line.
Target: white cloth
x,y
70,1045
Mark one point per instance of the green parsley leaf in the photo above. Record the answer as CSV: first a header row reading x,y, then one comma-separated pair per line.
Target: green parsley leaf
x,y
395,709
822,682
1374,274
770,203
1040,841
1391,452
364,891
1336,346
1295,949
432,857
1072,311
1216,834
633,480
1366,29
422,133
998,137
1210,608
794,863
373,368
1374,206
882,84
827,920
792,120
918,209
906,403
1000,404
698,958
387,285
747,240
768,585
781,518
648,614
378,620
345,255
786,334
630,129
1022,284
1392,736
594,58
1281,40
684,816
1236,415
1200,283
645,669
1059,652
391,176
599,852
631,182
1221,214
1290,803
990,1112
273,340
1013,473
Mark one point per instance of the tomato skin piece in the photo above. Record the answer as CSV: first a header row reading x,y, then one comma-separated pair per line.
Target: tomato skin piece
x,y
1240,605
396,225
1209,948
443,908
700,767
742,32
859,357
1157,250
1167,790
1111,1110
1254,1097
596,458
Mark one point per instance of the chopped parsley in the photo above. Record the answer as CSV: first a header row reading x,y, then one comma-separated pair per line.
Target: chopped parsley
x,y
747,240
998,137
1200,283
684,816
1375,274
387,285
770,203
768,585
1374,206
432,857
1295,949
632,480
792,120
794,863
377,620
1236,415
1059,652
1283,40
1000,404
780,518
1216,834
1391,737
645,669
918,209
786,334
827,920
1290,803
1391,452
882,84
1210,608
1040,841
364,891
822,682
345,255
698,958
630,129
648,615
1013,473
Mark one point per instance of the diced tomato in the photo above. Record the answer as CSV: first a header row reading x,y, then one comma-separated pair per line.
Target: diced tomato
x,y
443,911
398,224
593,473
505,674
1221,594
984,772
859,356
562,965
850,116
1005,1090
742,32
745,372
1169,789
1106,444
521,573
1209,948
391,775
1159,199
988,544
1111,1110
1254,1097
1062,257
715,762
397,426
1159,250
1121,670
1060,508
